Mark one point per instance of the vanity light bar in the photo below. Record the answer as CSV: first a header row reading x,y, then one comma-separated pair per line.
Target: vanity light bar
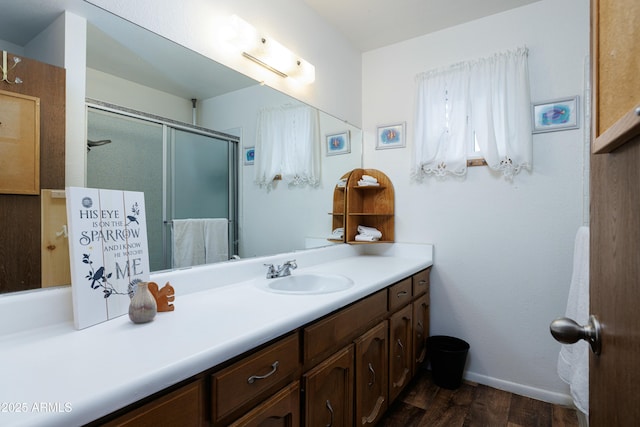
x,y
268,53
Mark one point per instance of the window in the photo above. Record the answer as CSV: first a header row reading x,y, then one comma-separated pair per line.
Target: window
x,y
472,109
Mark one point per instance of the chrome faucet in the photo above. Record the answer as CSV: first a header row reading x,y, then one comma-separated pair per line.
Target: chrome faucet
x,y
282,270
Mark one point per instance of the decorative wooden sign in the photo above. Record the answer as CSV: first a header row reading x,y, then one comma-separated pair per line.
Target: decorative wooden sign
x,y
19,143
108,251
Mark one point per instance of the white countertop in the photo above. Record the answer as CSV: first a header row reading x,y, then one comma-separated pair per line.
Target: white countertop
x,y
57,375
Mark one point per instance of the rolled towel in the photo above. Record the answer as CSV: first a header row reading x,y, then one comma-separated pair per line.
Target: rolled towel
x,y
369,178
366,238
369,231
342,183
338,232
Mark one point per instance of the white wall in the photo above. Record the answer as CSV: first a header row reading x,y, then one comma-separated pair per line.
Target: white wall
x,y
503,251
124,93
196,24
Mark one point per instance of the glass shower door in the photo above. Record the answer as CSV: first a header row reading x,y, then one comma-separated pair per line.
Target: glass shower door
x,y
203,180
126,153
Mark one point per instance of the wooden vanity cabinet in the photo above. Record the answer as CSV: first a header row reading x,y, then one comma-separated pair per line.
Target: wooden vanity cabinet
x,y
249,381
341,370
325,336
183,406
280,410
421,314
371,375
400,350
328,391
420,331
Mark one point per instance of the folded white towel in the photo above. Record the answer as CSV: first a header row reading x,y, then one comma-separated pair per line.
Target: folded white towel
x,y
369,178
342,183
338,232
362,183
366,238
369,231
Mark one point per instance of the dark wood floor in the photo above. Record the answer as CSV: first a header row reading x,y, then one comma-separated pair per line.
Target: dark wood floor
x,y
426,404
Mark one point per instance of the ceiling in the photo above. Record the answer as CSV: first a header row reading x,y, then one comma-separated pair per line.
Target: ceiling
x,y
368,24
371,24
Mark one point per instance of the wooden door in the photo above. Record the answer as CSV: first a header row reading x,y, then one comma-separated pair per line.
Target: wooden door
x,y
56,268
329,391
614,376
371,375
614,386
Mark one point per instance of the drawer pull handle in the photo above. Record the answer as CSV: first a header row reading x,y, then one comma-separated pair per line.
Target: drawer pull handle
x,y
274,368
422,282
373,375
402,293
330,413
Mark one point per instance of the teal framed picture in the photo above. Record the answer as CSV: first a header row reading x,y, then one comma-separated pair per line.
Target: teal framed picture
x,y
557,114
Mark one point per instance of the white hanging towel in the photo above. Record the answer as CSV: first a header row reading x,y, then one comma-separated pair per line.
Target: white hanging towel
x,y
216,239
573,361
188,242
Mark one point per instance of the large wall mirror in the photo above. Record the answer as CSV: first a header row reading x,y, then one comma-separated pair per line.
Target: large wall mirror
x,y
128,66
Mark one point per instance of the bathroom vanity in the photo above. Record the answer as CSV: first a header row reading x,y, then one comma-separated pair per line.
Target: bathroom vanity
x,y
235,352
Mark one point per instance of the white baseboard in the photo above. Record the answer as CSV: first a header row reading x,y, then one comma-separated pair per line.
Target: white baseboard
x,y
523,390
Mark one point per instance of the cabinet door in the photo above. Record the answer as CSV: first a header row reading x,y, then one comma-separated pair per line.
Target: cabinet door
x,y
281,410
400,351
420,331
329,391
372,351
184,406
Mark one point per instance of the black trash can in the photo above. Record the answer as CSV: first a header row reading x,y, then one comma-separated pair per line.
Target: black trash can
x,y
448,356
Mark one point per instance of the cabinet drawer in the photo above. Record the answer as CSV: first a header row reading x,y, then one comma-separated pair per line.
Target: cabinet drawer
x,y
421,282
254,377
338,329
281,409
400,294
183,406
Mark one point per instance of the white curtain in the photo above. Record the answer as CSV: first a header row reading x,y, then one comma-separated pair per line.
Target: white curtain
x,y
487,101
288,144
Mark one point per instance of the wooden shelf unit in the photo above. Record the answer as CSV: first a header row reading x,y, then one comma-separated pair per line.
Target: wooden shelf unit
x,y
339,207
370,206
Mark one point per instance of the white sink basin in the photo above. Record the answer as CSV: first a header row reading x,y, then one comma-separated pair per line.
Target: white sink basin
x,y
307,284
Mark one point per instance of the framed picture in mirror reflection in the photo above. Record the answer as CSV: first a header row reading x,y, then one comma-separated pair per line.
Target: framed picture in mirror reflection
x,y
249,155
338,143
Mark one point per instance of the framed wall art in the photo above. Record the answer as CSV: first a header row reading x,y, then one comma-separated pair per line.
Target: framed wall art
x,y
338,143
557,114
390,136
249,155
19,143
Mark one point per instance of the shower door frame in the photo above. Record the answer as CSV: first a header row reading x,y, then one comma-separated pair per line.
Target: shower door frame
x,y
168,124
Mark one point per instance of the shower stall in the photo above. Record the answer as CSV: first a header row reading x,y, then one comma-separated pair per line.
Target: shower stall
x,y
184,171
